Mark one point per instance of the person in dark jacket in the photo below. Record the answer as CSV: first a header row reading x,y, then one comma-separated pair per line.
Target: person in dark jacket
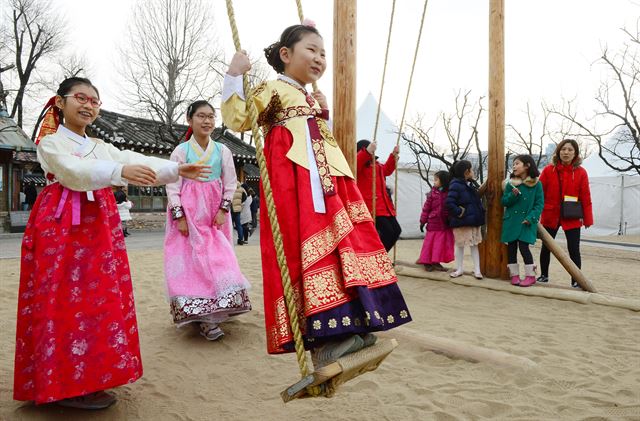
x,y
255,205
466,215
31,194
564,179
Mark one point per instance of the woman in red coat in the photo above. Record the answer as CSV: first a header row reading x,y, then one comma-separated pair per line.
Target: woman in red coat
x,y
564,179
386,224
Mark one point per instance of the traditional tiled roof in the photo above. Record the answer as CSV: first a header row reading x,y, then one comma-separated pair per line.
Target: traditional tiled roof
x,y
13,137
38,179
25,156
150,136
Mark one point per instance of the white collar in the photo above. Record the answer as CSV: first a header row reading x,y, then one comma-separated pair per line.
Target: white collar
x,y
291,81
71,135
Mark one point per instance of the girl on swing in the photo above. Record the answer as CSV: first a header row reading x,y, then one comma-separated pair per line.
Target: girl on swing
x,y
76,332
343,280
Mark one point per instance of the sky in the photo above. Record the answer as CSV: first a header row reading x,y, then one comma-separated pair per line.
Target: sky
x,y
551,46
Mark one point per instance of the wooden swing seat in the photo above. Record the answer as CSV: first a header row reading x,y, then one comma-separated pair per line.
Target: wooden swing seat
x,y
329,377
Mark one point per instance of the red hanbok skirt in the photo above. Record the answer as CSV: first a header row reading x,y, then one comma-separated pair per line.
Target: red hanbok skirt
x,y
76,330
342,277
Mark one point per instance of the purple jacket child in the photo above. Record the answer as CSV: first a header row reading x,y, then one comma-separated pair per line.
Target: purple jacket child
x,y
434,211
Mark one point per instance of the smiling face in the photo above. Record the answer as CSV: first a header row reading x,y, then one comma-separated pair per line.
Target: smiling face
x,y
78,116
203,121
305,62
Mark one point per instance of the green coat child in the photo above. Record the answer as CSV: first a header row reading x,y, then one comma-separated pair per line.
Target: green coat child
x,y
525,206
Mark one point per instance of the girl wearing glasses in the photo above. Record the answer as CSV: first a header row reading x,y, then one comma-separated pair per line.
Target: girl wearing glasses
x,y
76,331
204,281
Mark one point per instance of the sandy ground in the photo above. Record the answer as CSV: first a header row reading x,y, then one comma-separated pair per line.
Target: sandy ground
x,y
588,356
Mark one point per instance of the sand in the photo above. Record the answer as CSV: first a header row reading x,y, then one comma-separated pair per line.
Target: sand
x,y
587,356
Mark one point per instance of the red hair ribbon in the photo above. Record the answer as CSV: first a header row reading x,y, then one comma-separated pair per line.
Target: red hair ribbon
x,y
49,118
187,135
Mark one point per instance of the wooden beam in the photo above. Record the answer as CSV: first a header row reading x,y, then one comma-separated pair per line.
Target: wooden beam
x,y
344,78
564,260
494,256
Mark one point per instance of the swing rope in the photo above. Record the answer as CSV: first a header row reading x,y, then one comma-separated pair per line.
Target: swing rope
x,y
301,17
375,127
271,208
404,110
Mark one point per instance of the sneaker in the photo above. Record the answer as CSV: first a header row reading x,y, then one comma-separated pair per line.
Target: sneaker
x,y
543,278
211,331
456,273
478,275
97,400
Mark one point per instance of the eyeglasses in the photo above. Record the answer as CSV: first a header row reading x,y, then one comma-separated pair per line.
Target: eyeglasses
x,y
205,117
83,99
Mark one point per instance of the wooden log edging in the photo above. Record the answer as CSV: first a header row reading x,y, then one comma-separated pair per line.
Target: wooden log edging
x,y
462,350
582,297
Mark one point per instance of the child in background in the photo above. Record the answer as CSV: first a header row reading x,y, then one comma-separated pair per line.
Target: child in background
x,y
523,200
124,204
438,243
466,215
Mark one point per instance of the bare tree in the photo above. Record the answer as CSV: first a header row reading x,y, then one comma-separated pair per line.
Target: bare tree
x,y
614,127
36,34
3,93
461,132
170,61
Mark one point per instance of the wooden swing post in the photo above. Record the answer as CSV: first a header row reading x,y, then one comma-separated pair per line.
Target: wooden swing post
x,y
494,256
344,78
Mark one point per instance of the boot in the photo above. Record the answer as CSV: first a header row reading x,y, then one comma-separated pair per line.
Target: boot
x,y
529,276
514,272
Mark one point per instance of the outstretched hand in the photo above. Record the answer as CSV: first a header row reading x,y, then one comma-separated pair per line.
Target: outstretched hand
x,y
140,175
194,171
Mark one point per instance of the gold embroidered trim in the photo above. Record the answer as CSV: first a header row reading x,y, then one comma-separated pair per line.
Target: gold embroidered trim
x,y
326,133
323,166
358,212
323,289
373,270
324,242
281,333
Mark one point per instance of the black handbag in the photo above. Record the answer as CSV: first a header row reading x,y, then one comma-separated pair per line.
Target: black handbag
x,y
568,209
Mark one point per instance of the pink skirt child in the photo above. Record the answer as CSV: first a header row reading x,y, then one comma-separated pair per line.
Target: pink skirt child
x,y
204,281
438,246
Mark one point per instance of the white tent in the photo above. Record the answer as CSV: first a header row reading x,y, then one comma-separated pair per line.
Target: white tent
x,y
615,197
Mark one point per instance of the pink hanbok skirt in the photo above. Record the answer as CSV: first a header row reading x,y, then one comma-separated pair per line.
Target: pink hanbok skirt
x,y
204,282
437,248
